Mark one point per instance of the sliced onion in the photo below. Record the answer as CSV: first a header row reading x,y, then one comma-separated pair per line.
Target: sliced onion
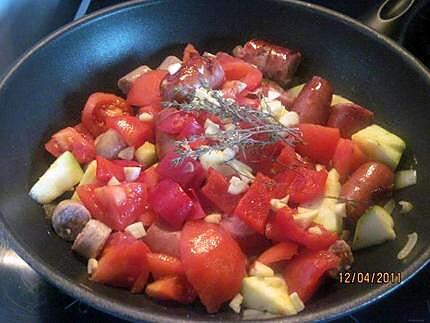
x,y
405,178
410,244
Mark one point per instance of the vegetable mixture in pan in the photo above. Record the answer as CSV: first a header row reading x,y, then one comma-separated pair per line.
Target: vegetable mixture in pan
x,y
216,181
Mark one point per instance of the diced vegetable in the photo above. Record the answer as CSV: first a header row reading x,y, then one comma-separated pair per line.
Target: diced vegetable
x,y
380,145
406,207
89,177
260,270
171,288
405,178
64,173
146,89
146,154
161,265
373,228
410,244
204,247
280,251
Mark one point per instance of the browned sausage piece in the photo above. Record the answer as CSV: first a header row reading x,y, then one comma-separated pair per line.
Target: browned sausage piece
x,y
341,249
197,71
349,118
125,83
368,184
276,62
313,102
162,239
91,239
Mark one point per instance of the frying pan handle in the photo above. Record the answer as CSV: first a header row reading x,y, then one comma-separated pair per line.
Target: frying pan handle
x,y
389,18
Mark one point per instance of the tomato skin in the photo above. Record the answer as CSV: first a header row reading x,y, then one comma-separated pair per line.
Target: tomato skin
x,y
254,207
121,204
281,251
100,106
170,202
347,158
189,173
305,272
237,69
216,191
161,265
213,263
146,89
88,198
107,169
319,142
284,227
301,184
132,130
172,288
121,265
81,145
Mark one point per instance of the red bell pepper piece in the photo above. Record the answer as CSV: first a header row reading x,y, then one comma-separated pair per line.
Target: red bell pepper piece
x,y
216,191
107,169
170,202
301,184
319,142
254,207
161,265
172,288
123,262
284,228
305,272
281,251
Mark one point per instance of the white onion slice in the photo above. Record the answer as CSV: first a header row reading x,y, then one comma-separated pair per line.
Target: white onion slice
x,y
405,178
410,244
406,207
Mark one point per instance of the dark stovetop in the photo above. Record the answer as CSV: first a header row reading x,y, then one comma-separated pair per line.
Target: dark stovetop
x,y
26,297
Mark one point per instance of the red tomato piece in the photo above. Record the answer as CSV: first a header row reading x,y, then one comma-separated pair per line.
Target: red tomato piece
x,y
189,50
213,263
237,69
70,139
216,191
107,169
132,130
280,251
305,272
254,207
88,198
319,142
148,217
347,158
170,202
121,265
172,123
188,173
172,288
302,184
121,204
146,89
261,159
191,128
197,212
287,228
100,106
161,265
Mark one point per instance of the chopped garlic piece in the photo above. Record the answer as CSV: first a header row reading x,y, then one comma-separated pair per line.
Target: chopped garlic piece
x,y
236,303
305,217
297,302
278,204
145,116
237,186
213,218
216,159
289,118
136,229
127,153
319,167
131,173
92,265
211,128
173,68
315,230
260,270
273,95
113,181
244,171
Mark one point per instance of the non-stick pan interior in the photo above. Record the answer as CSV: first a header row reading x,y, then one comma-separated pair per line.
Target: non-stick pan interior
x,y
47,90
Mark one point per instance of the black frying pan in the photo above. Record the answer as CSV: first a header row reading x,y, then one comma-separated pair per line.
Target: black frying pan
x,y
48,86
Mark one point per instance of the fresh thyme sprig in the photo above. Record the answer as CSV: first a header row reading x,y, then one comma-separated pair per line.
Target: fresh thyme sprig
x,y
213,101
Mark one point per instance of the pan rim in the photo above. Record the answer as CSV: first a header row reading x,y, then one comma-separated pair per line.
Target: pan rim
x,y
130,312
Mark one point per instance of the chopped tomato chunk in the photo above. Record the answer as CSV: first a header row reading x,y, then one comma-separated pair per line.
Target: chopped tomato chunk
x,y
347,158
213,263
134,132
146,89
